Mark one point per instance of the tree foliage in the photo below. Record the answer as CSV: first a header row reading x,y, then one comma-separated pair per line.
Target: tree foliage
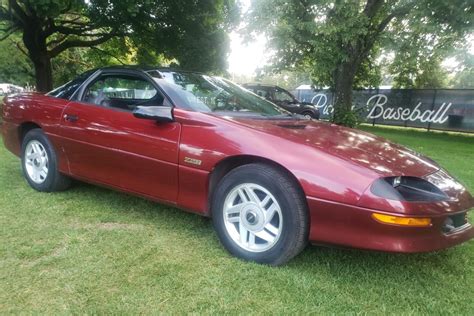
x,y
285,79
424,38
464,78
339,41
14,67
189,31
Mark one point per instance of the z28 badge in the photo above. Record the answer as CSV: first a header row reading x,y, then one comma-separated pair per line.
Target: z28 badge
x,y
193,161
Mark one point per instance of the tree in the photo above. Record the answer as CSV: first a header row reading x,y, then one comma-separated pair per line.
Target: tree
x,y
285,79
50,27
437,31
464,78
413,73
195,34
15,68
340,40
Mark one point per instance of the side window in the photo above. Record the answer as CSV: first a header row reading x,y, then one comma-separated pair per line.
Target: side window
x,y
283,96
122,91
263,93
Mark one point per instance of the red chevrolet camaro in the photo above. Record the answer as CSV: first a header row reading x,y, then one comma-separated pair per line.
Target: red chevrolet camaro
x,y
270,180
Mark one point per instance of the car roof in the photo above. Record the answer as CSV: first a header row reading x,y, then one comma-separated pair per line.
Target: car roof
x,y
142,68
145,68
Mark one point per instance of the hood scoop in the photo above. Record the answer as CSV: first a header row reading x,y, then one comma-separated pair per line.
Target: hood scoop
x,y
292,126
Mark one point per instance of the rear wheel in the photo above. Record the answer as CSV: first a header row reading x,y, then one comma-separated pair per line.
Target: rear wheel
x,y
39,163
309,115
260,214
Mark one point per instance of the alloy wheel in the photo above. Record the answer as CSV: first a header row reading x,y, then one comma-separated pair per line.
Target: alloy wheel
x,y
252,217
36,161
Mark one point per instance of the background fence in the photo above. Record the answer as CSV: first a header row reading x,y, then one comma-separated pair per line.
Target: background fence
x,y
440,109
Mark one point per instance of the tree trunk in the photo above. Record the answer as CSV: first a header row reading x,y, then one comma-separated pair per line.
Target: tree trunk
x,y
35,43
43,72
343,81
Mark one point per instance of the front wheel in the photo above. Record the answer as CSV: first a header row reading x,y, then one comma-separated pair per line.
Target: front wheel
x,y
40,164
260,214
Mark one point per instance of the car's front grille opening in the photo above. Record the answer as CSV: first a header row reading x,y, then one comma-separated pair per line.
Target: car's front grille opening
x,y
455,223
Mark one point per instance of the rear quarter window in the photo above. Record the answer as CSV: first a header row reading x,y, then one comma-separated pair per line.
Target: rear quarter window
x,y
67,90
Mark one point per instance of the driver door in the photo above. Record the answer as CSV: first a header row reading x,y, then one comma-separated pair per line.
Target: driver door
x,y
106,144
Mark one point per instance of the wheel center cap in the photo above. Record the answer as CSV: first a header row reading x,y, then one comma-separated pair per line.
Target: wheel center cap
x,y
251,218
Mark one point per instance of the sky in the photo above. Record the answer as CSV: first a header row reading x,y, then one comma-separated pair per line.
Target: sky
x,y
245,58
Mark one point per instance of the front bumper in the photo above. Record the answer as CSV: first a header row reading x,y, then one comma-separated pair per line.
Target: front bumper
x,y
353,226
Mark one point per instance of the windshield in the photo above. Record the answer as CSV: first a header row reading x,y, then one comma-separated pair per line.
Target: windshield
x,y
212,94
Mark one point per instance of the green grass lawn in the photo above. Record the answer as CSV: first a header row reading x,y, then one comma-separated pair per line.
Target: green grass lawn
x,y
91,250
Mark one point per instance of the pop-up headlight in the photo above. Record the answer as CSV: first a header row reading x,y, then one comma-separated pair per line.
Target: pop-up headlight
x,y
410,189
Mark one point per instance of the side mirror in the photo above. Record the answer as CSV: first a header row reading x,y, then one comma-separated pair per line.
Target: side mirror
x,y
161,114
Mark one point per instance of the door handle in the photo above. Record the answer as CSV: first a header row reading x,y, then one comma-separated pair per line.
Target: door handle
x,y
70,118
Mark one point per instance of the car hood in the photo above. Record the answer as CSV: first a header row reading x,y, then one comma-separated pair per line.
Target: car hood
x,y
361,148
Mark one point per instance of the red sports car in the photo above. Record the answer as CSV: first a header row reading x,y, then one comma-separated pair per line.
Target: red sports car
x,y
270,180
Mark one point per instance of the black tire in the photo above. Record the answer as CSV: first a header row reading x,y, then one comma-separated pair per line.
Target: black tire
x,y
310,114
294,231
54,180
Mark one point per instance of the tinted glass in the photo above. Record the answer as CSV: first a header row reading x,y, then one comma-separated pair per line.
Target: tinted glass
x,y
264,93
282,96
212,94
120,87
67,90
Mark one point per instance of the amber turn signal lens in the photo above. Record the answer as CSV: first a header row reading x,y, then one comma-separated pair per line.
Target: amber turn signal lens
x,y
402,221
